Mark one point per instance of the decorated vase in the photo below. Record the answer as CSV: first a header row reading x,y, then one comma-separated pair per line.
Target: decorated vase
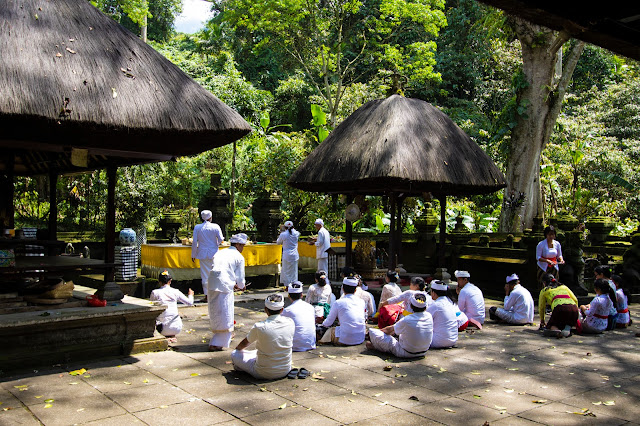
x,y
127,237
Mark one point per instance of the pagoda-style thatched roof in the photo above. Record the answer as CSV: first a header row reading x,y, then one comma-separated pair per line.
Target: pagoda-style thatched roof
x,y
398,145
73,78
615,27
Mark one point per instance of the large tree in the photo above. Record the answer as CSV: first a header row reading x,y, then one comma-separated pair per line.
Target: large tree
x,y
540,91
331,40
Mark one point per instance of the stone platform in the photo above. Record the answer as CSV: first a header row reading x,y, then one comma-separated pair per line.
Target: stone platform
x,y
60,335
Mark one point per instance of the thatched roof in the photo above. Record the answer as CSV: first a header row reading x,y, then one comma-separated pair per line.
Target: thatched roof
x,y
72,77
398,145
614,26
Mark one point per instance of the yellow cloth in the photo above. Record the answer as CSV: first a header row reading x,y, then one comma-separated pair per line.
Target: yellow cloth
x,y
179,256
309,250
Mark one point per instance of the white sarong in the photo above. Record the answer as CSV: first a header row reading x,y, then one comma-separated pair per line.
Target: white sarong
x,y
221,318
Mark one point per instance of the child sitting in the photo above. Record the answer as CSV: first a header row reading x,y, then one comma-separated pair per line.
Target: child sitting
x,y
169,323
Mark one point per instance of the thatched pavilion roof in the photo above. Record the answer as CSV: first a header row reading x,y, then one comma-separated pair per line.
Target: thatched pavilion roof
x,y
398,145
73,78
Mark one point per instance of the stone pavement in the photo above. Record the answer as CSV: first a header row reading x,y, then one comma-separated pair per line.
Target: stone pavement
x,y
500,375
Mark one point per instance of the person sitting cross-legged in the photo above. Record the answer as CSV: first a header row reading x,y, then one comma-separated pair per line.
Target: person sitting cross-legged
x,y
518,304
349,311
414,332
274,341
304,316
445,322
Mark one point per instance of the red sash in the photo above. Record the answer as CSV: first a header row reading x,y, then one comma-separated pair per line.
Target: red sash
x,y
561,296
601,316
554,260
623,311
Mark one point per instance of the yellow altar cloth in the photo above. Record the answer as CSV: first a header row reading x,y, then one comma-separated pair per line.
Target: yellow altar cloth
x,y
179,256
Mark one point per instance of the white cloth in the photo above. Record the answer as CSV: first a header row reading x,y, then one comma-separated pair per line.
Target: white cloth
x,y
323,264
518,307
290,256
543,250
600,305
304,317
415,332
414,336
471,302
445,323
207,237
205,271
227,271
320,294
170,319
323,243
405,299
460,316
349,310
623,303
220,306
389,290
274,340
367,298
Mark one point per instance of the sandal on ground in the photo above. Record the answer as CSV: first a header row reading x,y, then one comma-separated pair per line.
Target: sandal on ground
x,y
293,374
172,339
303,373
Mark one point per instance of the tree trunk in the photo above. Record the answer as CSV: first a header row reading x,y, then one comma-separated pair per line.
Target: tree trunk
x,y
538,100
143,30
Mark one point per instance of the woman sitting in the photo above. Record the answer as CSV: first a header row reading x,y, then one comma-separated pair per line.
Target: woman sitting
x,y
320,296
623,318
169,323
564,308
596,314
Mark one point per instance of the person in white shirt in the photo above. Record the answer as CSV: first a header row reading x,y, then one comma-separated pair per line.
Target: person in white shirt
x,y
362,292
320,296
391,288
289,240
227,275
273,338
207,237
518,304
445,323
304,316
349,311
416,286
414,332
169,323
322,243
470,298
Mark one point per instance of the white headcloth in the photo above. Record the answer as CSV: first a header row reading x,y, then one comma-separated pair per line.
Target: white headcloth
x,y
274,305
206,214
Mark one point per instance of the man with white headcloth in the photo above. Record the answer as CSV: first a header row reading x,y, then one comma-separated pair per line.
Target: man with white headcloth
x,y
274,339
349,311
227,275
207,237
518,304
289,239
322,243
304,316
470,299
414,332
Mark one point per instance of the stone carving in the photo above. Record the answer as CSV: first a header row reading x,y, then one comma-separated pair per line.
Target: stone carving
x,y
217,200
631,264
267,216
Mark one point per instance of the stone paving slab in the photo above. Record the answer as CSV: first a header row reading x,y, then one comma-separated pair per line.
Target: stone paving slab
x,y
493,375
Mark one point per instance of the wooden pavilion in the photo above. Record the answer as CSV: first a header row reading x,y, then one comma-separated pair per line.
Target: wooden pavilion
x,y
398,147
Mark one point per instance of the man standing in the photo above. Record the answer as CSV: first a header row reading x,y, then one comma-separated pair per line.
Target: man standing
x,y
274,339
227,274
207,237
470,298
304,316
518,304
322,243
414,332
349,310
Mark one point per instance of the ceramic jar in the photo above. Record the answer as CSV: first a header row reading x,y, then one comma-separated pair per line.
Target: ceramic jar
x,y
127,237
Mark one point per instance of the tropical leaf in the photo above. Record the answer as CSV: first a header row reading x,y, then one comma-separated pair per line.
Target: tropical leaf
x,y
614,179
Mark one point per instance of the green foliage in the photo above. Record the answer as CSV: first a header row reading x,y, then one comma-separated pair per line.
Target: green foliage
x,y
160,15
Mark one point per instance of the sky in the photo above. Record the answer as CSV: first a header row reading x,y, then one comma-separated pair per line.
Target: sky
x,y
193,17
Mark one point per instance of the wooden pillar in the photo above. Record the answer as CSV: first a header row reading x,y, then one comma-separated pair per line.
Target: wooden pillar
x,y
348,227
53,205
110,225
398,234
443,230
7,212
392,234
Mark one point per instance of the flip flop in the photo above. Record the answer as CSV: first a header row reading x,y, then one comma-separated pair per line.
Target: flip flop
x,y
303,374
293,373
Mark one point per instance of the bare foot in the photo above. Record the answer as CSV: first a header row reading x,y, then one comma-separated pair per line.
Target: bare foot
x,y
172,339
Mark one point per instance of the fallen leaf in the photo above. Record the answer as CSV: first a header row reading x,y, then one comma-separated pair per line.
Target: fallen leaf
x,y
513,369
378,394
114,93
48,406
227,362
49,400
317,376
145,381
616,386
148,363
80,409
353,392
384,403
539,401
350,400
597,403
195,374
21,387
305,389
164,406
263,389
127,383
509,390
514,358
331,356
283,406
73,383
70,51
477,396
449,410
401,375
609,403
78,372
500,408
387,368
475,372
442,370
